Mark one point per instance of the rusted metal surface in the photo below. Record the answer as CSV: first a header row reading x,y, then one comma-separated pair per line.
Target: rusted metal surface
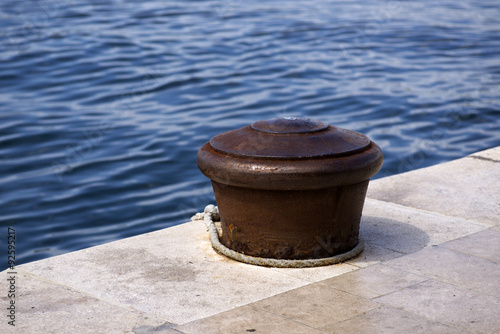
x,y
290,188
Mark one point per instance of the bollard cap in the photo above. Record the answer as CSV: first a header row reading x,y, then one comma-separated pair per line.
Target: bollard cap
x,y
289,138
289,154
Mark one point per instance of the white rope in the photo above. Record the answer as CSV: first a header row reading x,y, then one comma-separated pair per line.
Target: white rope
x,y
211,214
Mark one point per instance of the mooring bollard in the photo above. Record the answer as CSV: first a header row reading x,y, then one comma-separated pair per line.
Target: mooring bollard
x,y
290,188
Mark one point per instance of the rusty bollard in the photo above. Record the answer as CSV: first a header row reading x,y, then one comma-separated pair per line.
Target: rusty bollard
x,y
290,188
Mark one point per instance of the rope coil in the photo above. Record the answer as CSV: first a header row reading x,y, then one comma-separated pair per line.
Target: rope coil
x,y
211,213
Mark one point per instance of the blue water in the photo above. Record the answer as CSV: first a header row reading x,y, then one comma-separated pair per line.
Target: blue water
x,y
104,103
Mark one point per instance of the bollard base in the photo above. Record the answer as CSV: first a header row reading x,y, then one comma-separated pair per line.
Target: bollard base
x,y
290,224
275,263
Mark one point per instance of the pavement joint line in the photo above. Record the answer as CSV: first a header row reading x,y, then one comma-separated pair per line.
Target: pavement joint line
x,y
421,315
277,314
457,251
405,271
375,263
392,250
372,299
46,280
417,314
404,254
354,316
435,213
438,278
463,287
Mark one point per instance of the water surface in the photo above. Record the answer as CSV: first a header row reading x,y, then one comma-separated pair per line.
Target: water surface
x,y
104,104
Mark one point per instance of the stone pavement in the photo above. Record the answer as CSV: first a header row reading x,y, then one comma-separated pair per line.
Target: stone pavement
x,y
431,265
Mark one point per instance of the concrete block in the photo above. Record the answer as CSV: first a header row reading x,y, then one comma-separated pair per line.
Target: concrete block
x,y
484,244
388,320
315,305
374,281
448,304
466,188
407,230
453,267
246,319
47,307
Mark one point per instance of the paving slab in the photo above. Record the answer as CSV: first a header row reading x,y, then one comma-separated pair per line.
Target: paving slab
x,y
47,307
315,305
388,320
457,268
246,319
448,304
484,244
374,281
407,230
466,188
